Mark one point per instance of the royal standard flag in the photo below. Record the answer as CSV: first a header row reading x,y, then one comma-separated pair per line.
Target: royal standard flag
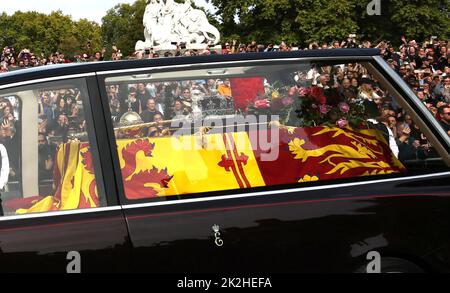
x,y
191,164
173,165
74,181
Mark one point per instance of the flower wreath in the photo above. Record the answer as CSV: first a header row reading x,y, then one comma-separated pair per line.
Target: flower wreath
x,y
314,106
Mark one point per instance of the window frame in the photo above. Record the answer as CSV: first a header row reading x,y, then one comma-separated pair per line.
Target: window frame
x,y
19,183
386,74
430,126
97,141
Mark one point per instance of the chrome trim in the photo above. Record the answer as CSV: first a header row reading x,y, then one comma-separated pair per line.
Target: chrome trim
x,y
60,213
212,198
424,111
47,79
183,66
281,191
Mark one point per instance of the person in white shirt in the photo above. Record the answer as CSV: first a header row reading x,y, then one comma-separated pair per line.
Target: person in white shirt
x,y
4,169
390,135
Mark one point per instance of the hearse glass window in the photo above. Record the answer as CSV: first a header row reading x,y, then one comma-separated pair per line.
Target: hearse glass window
x,y
47,162
209,130
433,92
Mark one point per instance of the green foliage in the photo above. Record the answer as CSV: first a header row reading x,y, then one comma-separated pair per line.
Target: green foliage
x,y
46,34
325,21
123,26
304,21
416,19
261,20
266,21
421,19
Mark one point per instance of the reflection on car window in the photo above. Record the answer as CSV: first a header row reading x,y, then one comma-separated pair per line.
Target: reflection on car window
x,y
10,119
260,126
433,89
47,149
444,113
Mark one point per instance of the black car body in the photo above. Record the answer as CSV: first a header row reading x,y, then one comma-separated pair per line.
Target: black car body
x,y
310,225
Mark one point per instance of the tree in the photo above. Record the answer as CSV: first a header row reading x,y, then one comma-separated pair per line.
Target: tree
x,y
86,31
416,19
325,21
70,46
46,34
294,21
422,18
123,26
303,21
261,20
266,21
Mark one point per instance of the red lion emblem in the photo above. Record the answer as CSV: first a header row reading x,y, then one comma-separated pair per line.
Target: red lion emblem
x,y
87,159
145,183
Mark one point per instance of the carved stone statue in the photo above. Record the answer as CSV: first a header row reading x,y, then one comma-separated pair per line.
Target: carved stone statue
x,y
167,22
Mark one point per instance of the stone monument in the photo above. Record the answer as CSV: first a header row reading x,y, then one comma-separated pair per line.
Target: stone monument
x,y
167,23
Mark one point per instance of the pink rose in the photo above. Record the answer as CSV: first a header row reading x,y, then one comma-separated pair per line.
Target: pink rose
x,y
287,101
304,91
292,91
344,107
262,104
341,123
324,109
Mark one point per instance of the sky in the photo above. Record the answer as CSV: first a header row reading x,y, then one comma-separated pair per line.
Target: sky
x,y
92,10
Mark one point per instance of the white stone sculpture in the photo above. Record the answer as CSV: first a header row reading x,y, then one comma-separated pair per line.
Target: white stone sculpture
x,y
167,23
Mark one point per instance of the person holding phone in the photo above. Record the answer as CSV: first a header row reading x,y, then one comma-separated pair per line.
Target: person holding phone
x,y
409,147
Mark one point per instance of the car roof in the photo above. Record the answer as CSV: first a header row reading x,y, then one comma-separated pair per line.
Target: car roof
x,y
81,68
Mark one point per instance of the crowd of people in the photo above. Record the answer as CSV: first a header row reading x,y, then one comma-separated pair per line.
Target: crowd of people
x,y
159,101
10,124
61,116
424,66
11,61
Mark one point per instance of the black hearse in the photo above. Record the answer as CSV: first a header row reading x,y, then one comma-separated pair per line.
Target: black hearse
x,y
266,162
